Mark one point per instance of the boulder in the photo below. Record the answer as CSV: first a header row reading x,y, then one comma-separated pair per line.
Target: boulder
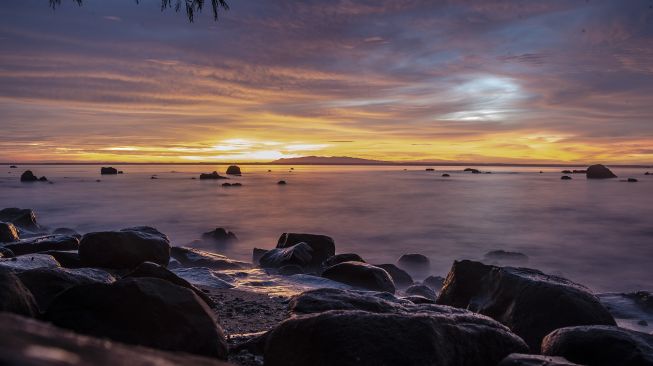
x,y
361,275
14,296
28,176
67,259
126,248
257,253
191,257
472,170
434,282
12,167
445,175
44,243
46,283
28,342
219,236
416,263
600,346
323,246
213,175
421,290
299,255
565,177
282,183
23,218
153,270
6,253
527,301
143,311
400,277
521,359
30,261
108,171
429,169
233,170
8,232
343,257
599,171
362,338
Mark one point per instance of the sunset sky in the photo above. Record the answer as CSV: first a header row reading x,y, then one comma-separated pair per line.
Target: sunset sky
x,y
567,81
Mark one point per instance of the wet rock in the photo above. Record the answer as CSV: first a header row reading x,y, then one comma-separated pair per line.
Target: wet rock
x,y
565,177
191,257
126,248
527,301
30,261
8,232
400,277
257,253
46,283
434,282
14,296
233,170
153,270
25,341
67,259
416,263
421,290
599,171
213,175
282,183
502,256
300,254
600,346
325,299
323,246
343,257
472,170
28,176
520,359
143,311
362,338
361,275
44,243
219,236
291,269
6,253
642,298
21,218
108,171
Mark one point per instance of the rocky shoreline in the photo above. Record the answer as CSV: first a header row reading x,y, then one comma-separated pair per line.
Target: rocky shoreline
x,y
131,297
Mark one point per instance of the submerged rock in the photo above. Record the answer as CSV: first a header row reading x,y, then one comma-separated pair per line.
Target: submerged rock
x,y
108,171
600,346
44,243
14,296
23,218
342,257
599,171
527,301
144,311
361,275
220,236
8,232
472,170
632,180
421,290
300,254
233,170
520,359
445,175
213,175
322,245
126,248
191,257
400,277
282,183
417,263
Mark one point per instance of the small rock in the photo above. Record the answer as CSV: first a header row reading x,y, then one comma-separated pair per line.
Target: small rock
x,y
472,170
233,170
632,180
343,257
322,245
361,275
44,243
565,177
434,282
599,171
213,175
28,176
445,175
430,169
257,253
421,290
417,263
300,254
220,236
282,183
400,277
108,171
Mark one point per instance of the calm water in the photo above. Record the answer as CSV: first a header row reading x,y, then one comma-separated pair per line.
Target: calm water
x,y
599,233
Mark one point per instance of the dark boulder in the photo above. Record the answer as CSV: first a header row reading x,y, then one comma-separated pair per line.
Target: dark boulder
x,y
233,170
28,342
282,183
506,257
600,346
44,243
67,259
226,184
108,171
6,253
632,180
8,232
23,218
599,171
527,301
257,253
28,176
153,270
361,275
521,359
12,167
144,311
434,282
126,248
213,175
472,170
323,246
14,296
299,254
445,175
416,263
191,257
361,338
343,257
400,277
565,177
421,290
219,235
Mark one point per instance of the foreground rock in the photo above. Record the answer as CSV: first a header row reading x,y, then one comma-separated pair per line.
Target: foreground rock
x,y
8,232
600,346
323,246
363,338
599,171
520,359
213,175
361,275
31,261
343,257
126,248
233,170
22,218
14,296
108,170
191,257
325,299
529,302
300,255
143,311
400,277
43,244
26,341
219,236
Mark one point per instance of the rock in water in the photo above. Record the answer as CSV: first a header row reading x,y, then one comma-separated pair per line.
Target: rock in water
x,y
28,176
233,170
6,253
213,175
282,183
361,275
400,277
421,290
257,254
323,246
191,257
600,346
434,282
220,235
8,232
506,257
67,259
520,359
343,257
599,171
565,177
527,301
23,218
144,311
361,338
300,254
25,341
416,263
44,243
126,248
14,296
108,171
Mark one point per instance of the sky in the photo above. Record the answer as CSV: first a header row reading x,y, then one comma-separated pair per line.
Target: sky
x,y
567,81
